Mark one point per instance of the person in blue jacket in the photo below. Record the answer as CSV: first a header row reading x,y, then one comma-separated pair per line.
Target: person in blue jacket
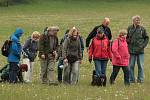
x,y
14,55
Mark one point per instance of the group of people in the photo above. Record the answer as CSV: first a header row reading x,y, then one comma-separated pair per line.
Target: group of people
x,y
122,52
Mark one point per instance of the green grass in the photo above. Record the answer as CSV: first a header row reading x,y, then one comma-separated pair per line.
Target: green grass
x,y
84,14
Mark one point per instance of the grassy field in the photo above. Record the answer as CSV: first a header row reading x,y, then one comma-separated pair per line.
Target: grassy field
x,y
84,14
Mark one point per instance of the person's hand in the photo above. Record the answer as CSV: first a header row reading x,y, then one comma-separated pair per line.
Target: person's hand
x,y
90,60
65,61
80,61
111,60
55,53
87,49
43,56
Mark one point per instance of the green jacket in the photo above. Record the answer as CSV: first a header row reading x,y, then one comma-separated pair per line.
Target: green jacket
x,y
137,39
47,44
72,47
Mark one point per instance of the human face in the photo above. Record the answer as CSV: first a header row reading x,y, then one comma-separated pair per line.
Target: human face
x,y
122,35
100,35
35,38
136,21
106,22
51,33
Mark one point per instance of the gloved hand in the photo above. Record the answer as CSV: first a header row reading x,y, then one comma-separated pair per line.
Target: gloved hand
x,y
90,60
111,60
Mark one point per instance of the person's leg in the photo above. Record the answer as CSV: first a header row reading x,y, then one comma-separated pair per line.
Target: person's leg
x,y
51,66
26,74
13,72
44,71
103,66
126,75
66,77
140,63
20,77
74,73
131,67
97,67
60,70
31,71
114,74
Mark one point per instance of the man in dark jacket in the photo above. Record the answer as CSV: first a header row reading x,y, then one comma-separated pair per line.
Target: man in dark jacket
x,y
137,40
106,29
48,45
14,55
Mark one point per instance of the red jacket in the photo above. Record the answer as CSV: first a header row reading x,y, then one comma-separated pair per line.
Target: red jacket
x,y
100,49
120,54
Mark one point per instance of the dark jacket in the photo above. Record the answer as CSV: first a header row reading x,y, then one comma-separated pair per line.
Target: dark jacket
x,y
30,49
137,39
62,41
72,48
93,33
15,48
45,44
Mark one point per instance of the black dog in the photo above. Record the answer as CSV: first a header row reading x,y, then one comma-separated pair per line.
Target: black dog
x,y
101,80
98,80
94,78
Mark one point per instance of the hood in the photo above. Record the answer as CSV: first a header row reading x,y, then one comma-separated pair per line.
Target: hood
x,y
18,33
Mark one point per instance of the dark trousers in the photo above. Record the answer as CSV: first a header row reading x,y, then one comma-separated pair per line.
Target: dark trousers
x,y
13,72
115,73
60,70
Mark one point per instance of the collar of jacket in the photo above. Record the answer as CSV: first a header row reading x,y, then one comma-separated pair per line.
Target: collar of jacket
x,y
104,37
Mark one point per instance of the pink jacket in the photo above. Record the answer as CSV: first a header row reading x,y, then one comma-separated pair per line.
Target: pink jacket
x,y
120,54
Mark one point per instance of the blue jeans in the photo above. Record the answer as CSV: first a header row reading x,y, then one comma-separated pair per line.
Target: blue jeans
x,y
60,70
140,62
100,67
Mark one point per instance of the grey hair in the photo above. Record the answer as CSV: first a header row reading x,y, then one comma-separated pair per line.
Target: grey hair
x,y
135,17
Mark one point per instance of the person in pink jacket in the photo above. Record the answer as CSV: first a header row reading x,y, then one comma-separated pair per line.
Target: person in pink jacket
x,y
120,57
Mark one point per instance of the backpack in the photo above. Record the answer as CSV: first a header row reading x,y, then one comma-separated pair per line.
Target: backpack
x,y
5,48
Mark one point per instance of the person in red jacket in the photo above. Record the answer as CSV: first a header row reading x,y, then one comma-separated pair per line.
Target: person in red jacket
x,y
99,52
120,57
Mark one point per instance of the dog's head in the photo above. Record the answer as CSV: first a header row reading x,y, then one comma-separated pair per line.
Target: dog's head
x,y
102,78
24,67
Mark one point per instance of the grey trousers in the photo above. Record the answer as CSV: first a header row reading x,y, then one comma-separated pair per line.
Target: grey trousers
x,y
47,71
71,73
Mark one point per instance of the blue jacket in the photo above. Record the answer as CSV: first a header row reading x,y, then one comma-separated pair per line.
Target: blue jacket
x,y
15,48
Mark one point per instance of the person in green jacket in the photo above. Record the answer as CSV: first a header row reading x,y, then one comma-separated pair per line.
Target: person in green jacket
x,y
72,55
48,45
137,40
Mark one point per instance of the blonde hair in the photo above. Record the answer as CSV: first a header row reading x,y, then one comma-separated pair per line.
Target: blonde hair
x,y
123,31
35,34
136,17
73,31
106,19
